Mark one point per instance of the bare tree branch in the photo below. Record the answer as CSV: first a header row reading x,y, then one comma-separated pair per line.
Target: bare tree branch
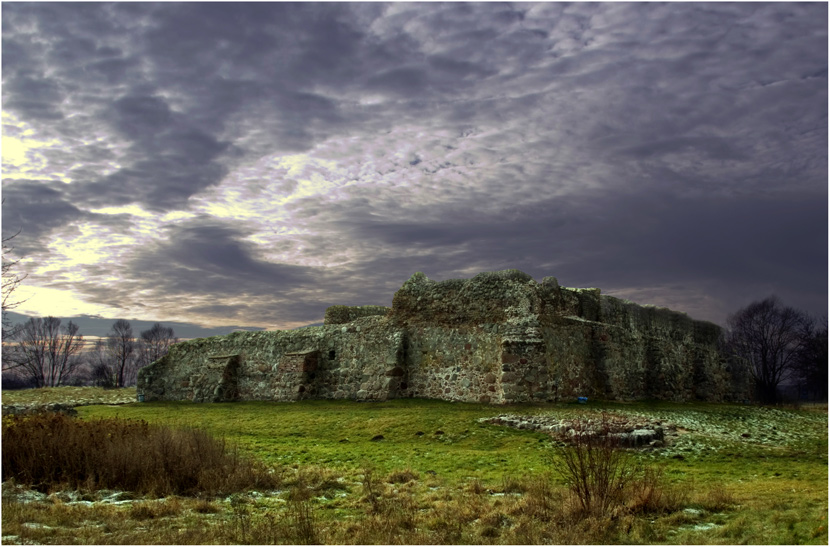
x,y
11,279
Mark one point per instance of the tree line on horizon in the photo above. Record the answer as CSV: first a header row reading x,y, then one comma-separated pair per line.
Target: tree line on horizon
x,y
43,352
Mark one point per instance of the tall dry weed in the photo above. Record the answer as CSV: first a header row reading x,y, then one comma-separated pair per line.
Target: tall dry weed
x,y
50,451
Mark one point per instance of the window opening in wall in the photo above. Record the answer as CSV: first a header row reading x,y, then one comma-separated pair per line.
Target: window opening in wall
x,y
331,355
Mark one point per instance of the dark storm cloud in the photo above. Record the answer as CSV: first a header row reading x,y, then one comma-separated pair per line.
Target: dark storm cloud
x,y
618,241
207,257
34,210
34,97
211,60
627,146
169,159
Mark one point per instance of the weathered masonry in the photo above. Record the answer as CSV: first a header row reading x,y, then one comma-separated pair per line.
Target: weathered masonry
x,y
499,337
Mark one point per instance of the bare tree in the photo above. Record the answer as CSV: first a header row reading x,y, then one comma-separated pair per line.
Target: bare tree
x,y
155,343
121,346
811,367
768,337
11,280
44,352
98,363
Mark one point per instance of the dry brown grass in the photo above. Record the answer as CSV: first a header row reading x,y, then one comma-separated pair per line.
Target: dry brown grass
x,y
402,513
402,476
52,451
716,499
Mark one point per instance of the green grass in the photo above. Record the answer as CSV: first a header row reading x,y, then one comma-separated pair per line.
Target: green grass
x,y
769,487
339,434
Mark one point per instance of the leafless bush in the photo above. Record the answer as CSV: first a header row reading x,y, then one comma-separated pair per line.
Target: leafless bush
x,y
595,467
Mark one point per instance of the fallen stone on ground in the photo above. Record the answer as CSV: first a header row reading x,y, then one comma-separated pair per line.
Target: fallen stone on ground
x,y
630,431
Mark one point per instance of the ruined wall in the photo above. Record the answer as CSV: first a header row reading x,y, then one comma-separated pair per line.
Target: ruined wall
x,y
456,364
529,341
496,338
354,361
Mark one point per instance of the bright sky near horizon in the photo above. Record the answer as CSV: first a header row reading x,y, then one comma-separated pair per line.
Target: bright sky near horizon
x,y
250,164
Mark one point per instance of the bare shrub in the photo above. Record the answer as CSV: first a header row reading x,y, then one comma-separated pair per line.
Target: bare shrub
x,y
303,523
372,488
595,467
241,518
53,450
646,494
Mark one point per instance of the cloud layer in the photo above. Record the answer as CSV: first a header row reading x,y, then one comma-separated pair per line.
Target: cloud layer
x,y
254,163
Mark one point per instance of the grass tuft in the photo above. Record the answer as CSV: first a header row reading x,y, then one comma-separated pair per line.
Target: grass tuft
x,y
402,476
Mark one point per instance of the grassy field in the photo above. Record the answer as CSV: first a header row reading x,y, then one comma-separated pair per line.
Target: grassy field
x,y
736,474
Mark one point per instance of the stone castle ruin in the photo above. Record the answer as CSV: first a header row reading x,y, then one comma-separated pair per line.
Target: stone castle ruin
x,y
499,337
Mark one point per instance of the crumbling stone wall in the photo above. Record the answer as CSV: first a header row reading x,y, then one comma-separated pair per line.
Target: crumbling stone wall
x,y
499,337
353,361
338,315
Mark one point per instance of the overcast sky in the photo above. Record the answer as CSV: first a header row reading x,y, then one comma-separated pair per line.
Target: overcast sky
x,y
252,164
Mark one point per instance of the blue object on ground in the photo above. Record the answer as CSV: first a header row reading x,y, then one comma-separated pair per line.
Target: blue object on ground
x,y
582,400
